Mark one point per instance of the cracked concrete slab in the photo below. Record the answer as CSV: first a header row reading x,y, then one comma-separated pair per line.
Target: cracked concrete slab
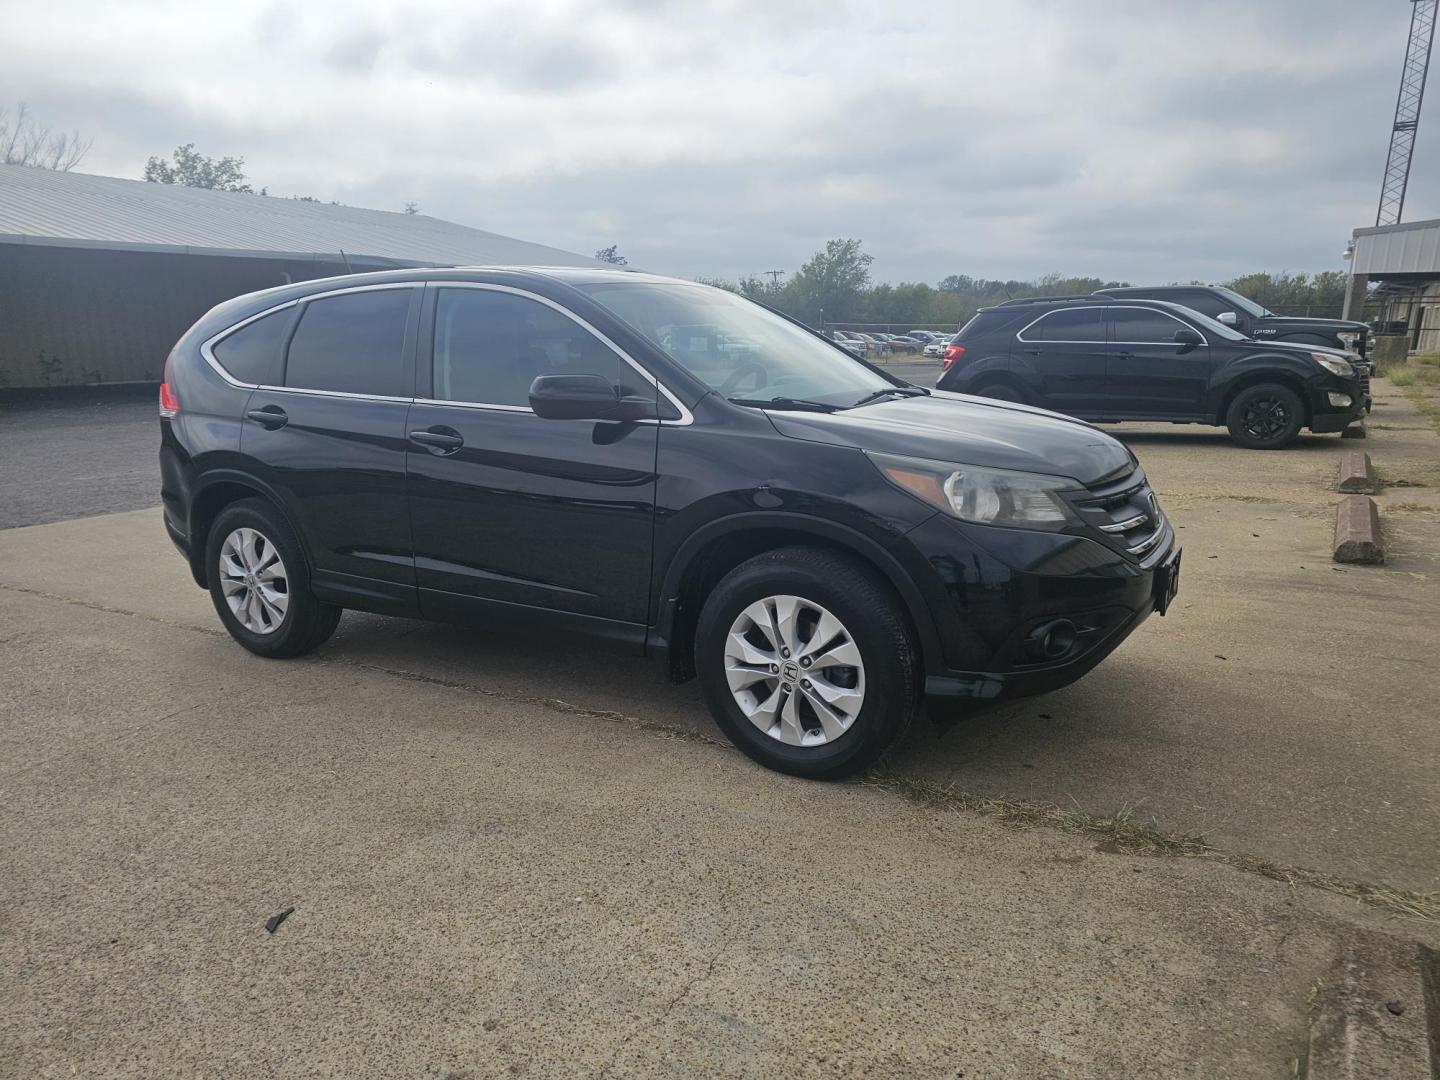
x,y
485,884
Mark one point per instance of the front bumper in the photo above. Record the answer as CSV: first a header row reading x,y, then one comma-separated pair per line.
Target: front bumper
x,y
1326,416
1010,586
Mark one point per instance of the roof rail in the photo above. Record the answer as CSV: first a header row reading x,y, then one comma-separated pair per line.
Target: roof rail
x,y
1047,300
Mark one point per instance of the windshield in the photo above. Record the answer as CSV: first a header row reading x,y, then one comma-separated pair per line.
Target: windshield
x,y
736,347
1248,306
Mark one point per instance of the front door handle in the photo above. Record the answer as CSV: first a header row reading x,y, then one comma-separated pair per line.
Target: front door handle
x,y
270,417
1032,352
1126,355
438,440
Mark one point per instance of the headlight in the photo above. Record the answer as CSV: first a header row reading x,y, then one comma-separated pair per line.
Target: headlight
x,y
1334,364
984,496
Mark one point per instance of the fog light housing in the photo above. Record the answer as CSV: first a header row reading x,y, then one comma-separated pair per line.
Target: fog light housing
x,y
1339,401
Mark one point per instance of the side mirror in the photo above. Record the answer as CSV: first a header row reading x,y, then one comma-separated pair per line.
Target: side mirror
x,y
585,397
1186,336
1227,317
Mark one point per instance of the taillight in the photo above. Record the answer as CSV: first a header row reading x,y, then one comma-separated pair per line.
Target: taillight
x,y
952,354
169,403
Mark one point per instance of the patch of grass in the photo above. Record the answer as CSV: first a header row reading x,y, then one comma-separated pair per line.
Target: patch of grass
x,y
1123,833
1401,377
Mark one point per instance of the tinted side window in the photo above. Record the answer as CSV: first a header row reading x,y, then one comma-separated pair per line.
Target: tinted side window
x,y
354,343
252,353
490,346
1206,303
1141,325
1069,324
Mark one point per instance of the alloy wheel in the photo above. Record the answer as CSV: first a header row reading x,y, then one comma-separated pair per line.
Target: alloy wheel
x,y
1266,418
795,671
254,580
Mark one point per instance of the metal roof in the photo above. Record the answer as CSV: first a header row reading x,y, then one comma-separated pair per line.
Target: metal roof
x,y
40,206
1409,248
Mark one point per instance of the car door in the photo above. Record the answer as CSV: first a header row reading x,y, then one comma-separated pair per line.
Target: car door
x,y
330,440
1067,352
1151,375
515,516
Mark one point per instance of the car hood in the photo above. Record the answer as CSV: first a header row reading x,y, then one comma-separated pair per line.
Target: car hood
x,y
970,431
1304,322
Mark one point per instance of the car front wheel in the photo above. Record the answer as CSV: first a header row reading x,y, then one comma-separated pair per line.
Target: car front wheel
x,y
1265,417
808,663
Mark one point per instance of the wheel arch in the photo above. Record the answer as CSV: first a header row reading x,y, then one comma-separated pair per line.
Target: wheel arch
x,y
219,490
1259,378
713,551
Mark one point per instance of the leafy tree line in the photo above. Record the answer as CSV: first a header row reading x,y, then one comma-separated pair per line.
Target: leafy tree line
x,y
834,286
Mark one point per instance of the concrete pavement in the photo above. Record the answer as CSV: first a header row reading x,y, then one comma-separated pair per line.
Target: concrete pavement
x,y
484,885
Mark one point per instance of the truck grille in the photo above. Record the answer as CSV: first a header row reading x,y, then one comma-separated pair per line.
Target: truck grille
x,y
1126,515
1363,371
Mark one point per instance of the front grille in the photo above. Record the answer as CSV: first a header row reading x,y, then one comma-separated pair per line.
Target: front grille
x,y
1363,370
1125,515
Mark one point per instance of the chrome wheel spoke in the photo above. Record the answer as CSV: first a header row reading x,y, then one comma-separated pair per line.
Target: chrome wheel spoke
x,y
253,580
794,670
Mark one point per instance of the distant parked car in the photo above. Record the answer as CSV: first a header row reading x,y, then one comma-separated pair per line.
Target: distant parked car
x,y
936,348
853,345
1110,359
879,346
906,344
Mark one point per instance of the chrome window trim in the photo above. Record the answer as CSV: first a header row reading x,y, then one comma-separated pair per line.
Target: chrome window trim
x,y
1157,311
207,351
686,417
207,346
1019,334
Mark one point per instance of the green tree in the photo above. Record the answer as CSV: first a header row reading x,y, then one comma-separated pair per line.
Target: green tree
x,y
832,282
610,255
196,170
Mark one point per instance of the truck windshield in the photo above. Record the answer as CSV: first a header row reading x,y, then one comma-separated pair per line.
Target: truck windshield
x,y
1248,306
735,346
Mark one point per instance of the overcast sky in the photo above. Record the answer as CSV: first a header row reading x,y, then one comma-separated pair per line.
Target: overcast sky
x,y
1144,141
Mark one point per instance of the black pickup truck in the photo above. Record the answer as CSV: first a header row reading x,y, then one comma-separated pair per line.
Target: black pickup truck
x,y
1249,318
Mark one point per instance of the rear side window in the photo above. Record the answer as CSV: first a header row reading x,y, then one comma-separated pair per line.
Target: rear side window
x,y
491,345
353,344
1068,324
1143,326
252,353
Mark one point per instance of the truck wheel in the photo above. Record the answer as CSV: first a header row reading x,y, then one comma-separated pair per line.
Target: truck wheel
x,y
807,662
260,583
1265,417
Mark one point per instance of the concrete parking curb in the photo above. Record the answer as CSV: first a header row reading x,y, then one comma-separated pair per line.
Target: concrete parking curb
x,y
1371,1015
1357,474
1357,531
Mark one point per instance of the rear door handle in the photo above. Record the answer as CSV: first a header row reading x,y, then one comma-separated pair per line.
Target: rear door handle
x,y
270,417
438,441
1032,352
1126,355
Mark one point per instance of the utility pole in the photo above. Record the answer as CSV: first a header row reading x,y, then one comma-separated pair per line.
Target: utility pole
x,y
1407,112
775,276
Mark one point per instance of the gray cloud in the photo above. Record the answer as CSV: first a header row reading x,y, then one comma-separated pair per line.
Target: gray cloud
x,y
1132,140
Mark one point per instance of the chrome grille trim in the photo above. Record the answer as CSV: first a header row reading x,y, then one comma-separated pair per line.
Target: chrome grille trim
x,y
1126,525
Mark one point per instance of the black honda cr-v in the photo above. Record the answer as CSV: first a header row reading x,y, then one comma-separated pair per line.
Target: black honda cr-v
x,y
1107,359
659,465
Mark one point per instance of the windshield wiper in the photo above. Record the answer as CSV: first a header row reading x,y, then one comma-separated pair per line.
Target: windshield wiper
x,y
797,404
903,391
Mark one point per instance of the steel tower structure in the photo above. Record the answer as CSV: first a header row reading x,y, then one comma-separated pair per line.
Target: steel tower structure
x,y
1407,112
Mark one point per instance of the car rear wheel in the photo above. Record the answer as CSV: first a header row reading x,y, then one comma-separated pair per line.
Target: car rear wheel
x,y
807,662
1265,417
260,584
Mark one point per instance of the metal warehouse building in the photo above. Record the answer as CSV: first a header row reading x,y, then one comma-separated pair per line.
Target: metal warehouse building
x,y
100,276
1402,262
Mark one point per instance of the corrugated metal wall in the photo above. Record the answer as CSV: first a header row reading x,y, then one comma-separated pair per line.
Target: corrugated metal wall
x,y
71,316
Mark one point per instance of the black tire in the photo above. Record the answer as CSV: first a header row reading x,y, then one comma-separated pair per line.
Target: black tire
x,y
1265,417
872,617
1001,391
307,622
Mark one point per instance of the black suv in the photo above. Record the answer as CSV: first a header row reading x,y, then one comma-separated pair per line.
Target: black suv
x,y
657,465
1254,320
1107,359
